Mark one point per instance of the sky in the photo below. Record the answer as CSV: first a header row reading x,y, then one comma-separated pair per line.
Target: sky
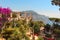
x,y
43,7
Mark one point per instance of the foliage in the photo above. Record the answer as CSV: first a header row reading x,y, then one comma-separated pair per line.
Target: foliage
x,y
40,38
48,35
47,27
56,2
17,29
36,28
55,19
17,32
14,15
4,13
57,31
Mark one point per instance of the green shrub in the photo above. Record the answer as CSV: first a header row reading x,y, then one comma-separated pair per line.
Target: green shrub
x,y
40,38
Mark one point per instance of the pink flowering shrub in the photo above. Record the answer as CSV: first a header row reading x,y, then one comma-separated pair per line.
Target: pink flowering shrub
x,y
5,13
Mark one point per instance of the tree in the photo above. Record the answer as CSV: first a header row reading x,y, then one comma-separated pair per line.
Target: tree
x,y
5,13
40,38
47,27
56,2
36,28
56,20
14,15
41,23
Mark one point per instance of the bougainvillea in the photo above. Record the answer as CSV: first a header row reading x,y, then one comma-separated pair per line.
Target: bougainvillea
x,y
5,14
0,9
5,10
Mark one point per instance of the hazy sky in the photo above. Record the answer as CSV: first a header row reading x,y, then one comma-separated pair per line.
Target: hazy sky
x,y
43,7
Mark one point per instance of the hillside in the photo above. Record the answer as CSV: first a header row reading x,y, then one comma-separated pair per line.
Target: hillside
x,y
38,17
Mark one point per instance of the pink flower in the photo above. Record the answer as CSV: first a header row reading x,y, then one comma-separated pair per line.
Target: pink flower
x,y
8,11
0,18
5,10
0,9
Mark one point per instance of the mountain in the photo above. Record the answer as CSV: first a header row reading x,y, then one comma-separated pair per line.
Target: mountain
x,y
38,17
